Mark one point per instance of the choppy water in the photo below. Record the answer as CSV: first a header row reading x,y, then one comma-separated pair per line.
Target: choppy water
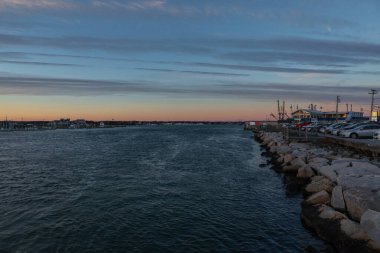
x,y
143,189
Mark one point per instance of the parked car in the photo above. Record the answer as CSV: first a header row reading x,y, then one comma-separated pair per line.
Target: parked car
x,y
302,124
376,135
329,129
363,131
349,127
310,127
323,128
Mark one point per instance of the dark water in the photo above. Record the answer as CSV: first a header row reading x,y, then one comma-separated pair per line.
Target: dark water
x,y
143,189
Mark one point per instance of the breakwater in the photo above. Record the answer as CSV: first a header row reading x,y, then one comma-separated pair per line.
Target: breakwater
x,y
341,191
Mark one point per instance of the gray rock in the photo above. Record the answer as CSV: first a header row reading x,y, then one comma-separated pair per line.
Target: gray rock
x,y
288,158
371,182
353,230
321,197
319,185
337,200
273,149
327,212
346,162
284,149
359,169
298,162
328,172
299,153
305,172
319,160
370,223
358,200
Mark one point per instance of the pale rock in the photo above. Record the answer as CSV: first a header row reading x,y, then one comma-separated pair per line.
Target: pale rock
x,y
284,149
353,230
321,197
320,185
370,223
273,149
315,165
327,212
328,172
337,200
305,172
359,169
288,158
299,153
358,200
345,162
298,162
319,160
371,182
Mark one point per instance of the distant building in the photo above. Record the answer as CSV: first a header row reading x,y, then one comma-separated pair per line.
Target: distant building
x,y
310,115
80,123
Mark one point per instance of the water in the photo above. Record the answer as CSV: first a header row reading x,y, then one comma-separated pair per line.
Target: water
x,y
144,189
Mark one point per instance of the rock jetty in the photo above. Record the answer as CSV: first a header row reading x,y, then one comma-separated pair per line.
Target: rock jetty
x,y
341,190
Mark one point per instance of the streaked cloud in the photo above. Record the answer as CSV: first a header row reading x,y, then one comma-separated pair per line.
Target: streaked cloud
x,y
38,63
13,85
192,72
36,4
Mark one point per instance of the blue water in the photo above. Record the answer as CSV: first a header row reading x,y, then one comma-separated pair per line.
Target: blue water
x,y
144,189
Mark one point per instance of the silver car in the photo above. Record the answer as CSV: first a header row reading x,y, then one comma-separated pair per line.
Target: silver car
x,y
364,131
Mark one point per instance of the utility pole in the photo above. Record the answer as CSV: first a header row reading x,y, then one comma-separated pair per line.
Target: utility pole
x,y
278,110
337,102
283,110
291,108
372,93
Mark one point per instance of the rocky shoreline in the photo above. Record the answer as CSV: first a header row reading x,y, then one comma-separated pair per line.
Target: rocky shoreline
x,y
341,191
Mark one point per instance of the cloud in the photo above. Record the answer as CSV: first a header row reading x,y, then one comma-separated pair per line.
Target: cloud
x,y
298,58
193,72
45,64
35,4
251,90
268,68
130,6
103,44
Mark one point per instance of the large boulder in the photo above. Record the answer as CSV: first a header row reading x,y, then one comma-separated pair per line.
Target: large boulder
x,y
327,171
353,230
359,169
319,160
337,200
358,200
284,149
370,222
294,165
371,182
305,172
319,184
321,197
329,213
288,158
344,162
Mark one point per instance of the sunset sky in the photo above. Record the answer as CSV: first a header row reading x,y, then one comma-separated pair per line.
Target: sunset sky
x,y
184,60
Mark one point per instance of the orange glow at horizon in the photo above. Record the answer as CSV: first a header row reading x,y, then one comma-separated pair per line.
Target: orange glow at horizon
x,y
51,108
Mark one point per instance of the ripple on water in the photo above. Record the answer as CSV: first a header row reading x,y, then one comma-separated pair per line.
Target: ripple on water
x,y
144,189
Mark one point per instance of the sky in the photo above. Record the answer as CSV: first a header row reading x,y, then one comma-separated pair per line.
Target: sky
x,y
185,60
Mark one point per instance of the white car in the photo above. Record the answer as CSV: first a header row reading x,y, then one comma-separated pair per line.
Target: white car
x,y
362,131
